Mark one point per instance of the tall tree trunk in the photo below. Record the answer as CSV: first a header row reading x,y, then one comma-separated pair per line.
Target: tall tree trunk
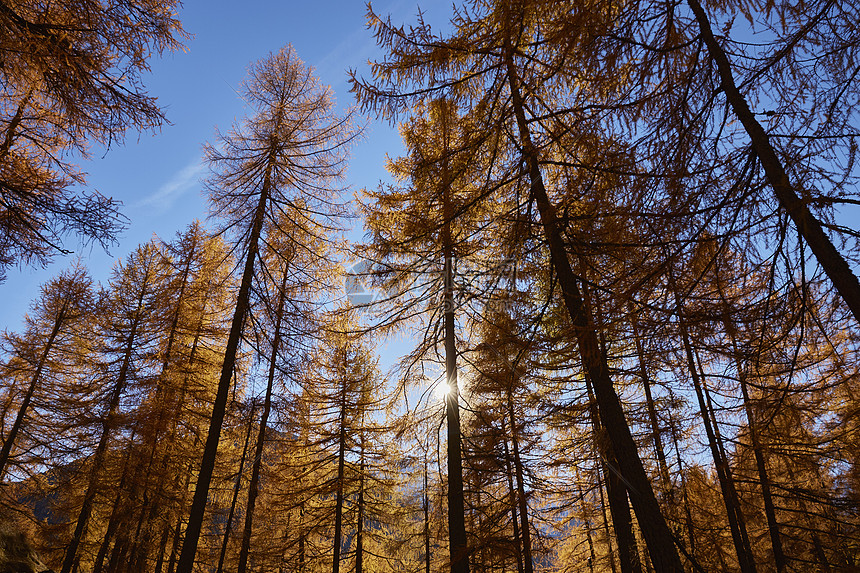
x,y
688,514
178,531
229,525
657,535
816,540
525,528
171,440
302,537
31,389
359,531
616,492
253,487
807,224
509,471
592,557
619,509
752,425
730,497
162,548
426,518
114,520
219,408
69,560
456,502
609,550
338,506
652,411
164,397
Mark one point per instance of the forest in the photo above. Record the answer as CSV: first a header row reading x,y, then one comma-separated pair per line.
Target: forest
x,y
618,244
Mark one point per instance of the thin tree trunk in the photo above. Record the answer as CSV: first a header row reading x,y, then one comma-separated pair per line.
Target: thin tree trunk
x,y
616,492
426,518
31,389
178,532
114,520
619,509
591,555
603,504
816,540
219,408
338,506
162,548
120,549
359,534
165,396
652,411
828,257
302,537
764,479
657,535
253,487
235,498
687,512
518,550
525,528
730,497
752,425
456,502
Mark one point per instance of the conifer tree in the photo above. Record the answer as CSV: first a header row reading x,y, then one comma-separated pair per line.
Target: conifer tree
x,y
131,324
510,90
53,328
71,75
343,396
282,163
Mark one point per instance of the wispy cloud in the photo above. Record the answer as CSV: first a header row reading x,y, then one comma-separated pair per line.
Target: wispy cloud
x,y
183,180
357,47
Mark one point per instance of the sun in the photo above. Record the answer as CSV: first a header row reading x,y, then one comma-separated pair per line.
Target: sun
x,y
443,389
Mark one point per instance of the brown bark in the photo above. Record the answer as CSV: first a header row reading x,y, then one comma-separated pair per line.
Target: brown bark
x,y
456,502
114,520
657,535
338,506
652,411
426,518
729,493
359,534
518,548
219,408
758,451
525,528
229,525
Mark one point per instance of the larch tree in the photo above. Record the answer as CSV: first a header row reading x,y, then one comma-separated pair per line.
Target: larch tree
x,y
130,324
296,266
494,64
53,331
423,254
72,78
194,307
282,163
344,394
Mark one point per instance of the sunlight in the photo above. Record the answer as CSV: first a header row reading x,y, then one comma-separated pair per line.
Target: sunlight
x,y
443,389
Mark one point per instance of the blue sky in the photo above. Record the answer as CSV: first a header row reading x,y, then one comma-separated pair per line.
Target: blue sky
x,y
157,176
